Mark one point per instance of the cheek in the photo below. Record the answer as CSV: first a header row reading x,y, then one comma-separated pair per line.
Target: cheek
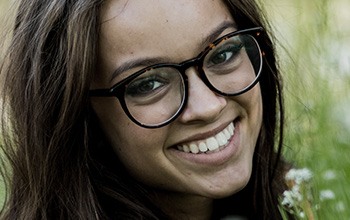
x,y
142,152
134,146
252,104
257,106
255,110
256,114
109,113
119,129
252,107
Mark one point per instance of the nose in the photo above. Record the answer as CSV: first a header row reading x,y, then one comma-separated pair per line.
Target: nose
x,y
203,104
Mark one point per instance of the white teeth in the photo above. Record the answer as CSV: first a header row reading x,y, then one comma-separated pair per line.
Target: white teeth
x,y
231,129
194,149
186,149
202,147
221,138
211,144
227,134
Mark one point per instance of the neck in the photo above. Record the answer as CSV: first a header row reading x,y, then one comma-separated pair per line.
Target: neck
x,y
183,206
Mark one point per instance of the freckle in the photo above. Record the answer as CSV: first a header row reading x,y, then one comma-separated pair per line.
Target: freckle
x,y
166,21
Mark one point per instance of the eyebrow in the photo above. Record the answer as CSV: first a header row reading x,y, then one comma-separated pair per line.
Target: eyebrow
x,y
217,32
147,61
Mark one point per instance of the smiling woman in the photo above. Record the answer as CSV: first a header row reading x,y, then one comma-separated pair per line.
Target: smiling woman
x,y
123,110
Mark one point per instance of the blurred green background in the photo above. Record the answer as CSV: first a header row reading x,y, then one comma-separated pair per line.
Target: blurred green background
x,y
314,52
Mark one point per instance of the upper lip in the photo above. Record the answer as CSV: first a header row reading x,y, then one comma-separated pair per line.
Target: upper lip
x,y
204,135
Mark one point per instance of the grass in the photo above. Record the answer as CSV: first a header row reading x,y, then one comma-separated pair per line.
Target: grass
x,y
316,69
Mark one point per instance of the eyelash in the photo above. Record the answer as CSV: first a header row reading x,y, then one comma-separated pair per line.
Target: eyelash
x,y
133,89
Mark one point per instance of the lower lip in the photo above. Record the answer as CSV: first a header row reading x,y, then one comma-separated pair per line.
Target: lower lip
x,y
213,158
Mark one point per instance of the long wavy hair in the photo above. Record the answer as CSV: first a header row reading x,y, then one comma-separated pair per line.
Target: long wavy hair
x,y
58,164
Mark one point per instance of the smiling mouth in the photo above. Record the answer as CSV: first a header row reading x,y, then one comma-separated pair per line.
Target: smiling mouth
x,y
211,144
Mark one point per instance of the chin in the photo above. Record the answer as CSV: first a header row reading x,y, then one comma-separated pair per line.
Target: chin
x,y
229,187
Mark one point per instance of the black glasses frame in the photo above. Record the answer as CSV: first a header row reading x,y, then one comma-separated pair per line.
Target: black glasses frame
x,y
118,90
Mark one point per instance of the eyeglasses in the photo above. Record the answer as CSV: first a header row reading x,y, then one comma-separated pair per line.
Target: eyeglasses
x,y
156,95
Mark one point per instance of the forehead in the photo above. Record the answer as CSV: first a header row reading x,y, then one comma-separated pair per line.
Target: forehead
x,y
138,28
140,15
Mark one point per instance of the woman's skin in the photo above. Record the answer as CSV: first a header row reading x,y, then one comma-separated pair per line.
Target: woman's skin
x,y
173,31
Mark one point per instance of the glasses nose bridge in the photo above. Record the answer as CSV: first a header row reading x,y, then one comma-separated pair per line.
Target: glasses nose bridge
x,y
194,62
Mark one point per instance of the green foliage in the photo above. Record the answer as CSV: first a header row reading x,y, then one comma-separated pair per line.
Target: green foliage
x,y
315,60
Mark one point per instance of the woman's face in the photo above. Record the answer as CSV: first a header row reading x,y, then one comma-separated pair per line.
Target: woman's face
x,y
174,31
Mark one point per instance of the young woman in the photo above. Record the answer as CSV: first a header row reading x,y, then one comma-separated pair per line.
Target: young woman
x,y
127,109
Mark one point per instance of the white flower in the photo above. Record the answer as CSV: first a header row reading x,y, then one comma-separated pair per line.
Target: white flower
x,y
327,195
292,197
299,175
340,206
288,199
329,175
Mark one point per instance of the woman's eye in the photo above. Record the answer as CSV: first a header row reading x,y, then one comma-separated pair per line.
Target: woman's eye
x,y
143,87
224,54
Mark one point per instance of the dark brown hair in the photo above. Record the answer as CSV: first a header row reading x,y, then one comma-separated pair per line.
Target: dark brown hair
x,y
60,165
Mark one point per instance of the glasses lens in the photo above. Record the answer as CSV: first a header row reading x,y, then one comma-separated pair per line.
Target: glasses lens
x,y
155,96
234,64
